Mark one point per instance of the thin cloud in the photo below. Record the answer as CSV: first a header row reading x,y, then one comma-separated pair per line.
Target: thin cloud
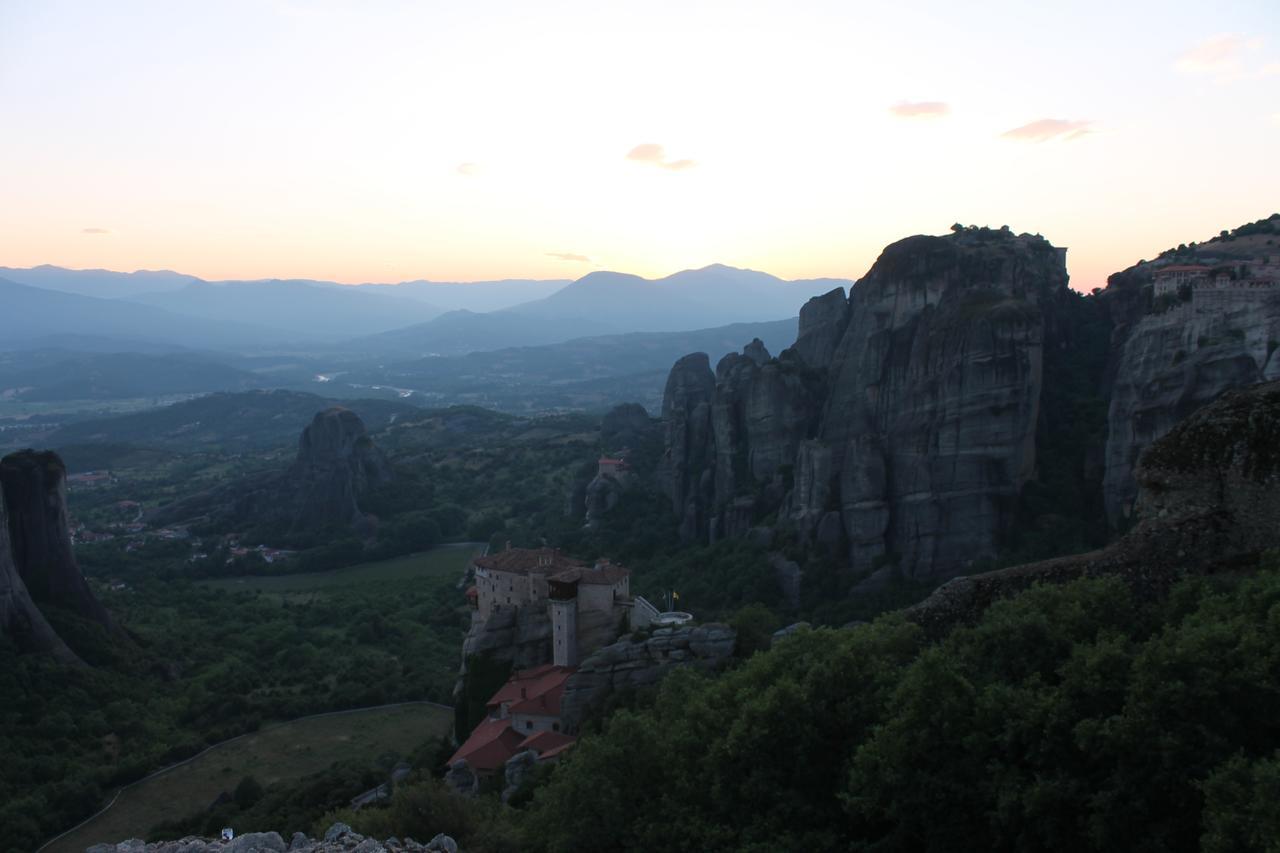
x,y
569,256
920,109
1045,129
468,169
655,155
1227,57
95,230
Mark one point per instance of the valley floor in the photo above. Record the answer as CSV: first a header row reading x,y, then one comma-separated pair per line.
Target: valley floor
x,y
276,753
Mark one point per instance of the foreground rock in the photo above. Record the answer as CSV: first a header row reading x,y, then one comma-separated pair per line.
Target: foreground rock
x,y
339,838
1208,500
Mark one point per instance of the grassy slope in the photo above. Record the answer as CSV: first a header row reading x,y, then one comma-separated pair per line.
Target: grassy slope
x,y
276,753
444,561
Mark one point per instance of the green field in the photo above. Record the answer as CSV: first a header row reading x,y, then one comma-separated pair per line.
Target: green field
x,y
444,561
277,753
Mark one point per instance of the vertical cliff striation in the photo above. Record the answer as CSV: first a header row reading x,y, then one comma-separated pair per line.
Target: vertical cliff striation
x,y
337,463
34,484
20,620
1172,360
902,424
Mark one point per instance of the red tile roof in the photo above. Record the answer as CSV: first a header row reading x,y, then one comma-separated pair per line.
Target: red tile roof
x,y
606,575
521,561
489,746
547,744
529,685
545,704
1182,268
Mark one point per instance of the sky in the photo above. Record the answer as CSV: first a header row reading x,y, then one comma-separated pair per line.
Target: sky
x,y
389,141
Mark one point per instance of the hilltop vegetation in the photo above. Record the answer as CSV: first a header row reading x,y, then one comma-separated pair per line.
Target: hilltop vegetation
x,y
1067,718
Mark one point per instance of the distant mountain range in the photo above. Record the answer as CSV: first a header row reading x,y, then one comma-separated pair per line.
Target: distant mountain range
x,y
87,309
34,317
608,303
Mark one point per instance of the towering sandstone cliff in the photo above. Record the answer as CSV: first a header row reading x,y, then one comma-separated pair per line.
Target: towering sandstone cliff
x,y
35,498
901,426
337,464
20,620
1171,359
1208,500
37,565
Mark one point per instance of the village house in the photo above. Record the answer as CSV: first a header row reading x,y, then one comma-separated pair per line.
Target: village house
x,y
523,715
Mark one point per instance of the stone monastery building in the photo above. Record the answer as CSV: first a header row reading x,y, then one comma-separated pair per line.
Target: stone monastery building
x,y
567,589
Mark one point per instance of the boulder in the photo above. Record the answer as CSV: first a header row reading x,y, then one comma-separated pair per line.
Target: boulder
x,y
337,831
256,842
462,779
443,844
516,771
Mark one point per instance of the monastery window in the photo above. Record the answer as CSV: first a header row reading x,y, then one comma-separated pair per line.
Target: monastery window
x,y
528,724
555,727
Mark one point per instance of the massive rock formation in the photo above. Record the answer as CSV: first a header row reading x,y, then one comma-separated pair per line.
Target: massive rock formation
x,y
628,664
20,620
35,500
337,464
901,426
1170,362
1208,500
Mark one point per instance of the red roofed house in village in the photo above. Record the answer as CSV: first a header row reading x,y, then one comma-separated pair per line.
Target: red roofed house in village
x,y
523,714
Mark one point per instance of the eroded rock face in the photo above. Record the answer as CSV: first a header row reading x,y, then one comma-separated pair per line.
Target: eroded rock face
x,y
35,499
909,410
1208,500
626,425
337,463
20,620
628,664
686,415
1171,363
822,323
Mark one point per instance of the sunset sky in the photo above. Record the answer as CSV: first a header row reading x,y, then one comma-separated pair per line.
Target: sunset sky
x,y
383,141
